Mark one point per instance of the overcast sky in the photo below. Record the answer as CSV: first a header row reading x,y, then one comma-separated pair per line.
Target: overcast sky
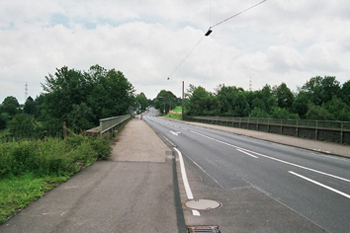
x,y
277,41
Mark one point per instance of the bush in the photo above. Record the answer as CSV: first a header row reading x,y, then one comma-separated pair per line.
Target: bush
x,y
51,156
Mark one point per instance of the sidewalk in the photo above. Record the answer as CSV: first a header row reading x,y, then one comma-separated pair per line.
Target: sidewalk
x,y
317,146
133,192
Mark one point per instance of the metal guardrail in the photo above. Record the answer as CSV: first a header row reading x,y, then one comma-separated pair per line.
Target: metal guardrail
x,y
107,124
333,131
339,125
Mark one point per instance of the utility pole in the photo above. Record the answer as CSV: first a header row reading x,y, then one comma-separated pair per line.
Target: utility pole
x,y
183,98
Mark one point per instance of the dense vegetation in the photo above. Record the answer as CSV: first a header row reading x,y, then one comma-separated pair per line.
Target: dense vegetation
x,y
79,98
30,168
34,158
320,98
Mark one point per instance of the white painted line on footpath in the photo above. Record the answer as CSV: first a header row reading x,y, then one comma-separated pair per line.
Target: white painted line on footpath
x,y
247,153
322,185
278,160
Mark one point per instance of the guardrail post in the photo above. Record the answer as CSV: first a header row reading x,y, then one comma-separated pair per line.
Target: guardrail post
x,y
341,133
297,129
316,131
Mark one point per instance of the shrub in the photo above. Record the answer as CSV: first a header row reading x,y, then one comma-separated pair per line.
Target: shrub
x,y
52,156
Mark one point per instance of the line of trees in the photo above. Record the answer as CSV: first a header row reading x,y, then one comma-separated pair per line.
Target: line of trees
x,y
320,98
79,98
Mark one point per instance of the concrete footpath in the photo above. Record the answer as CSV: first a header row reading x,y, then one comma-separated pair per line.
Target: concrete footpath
x,y
133,192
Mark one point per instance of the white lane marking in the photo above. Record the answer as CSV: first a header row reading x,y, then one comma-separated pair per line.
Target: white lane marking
x,y
175,133
247,153
278,160
322,185
196,213
169,140
184,175
185,180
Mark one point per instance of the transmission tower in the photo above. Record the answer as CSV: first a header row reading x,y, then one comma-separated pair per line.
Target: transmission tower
x,y
26,92
250,84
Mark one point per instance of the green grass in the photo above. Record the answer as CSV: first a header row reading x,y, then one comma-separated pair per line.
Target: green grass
x,y
18,192
175,113
177,109
4,132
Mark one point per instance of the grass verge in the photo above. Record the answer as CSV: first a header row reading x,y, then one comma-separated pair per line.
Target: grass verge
x,y
18,192
29,169
175,113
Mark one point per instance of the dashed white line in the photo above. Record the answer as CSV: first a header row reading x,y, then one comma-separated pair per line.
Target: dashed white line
x,y
320,184
272,158
248,153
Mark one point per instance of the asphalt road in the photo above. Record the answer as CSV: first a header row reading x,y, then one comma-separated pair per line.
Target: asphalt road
x,y
263,186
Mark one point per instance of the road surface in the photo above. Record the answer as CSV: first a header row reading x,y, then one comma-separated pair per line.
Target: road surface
x,y
262,186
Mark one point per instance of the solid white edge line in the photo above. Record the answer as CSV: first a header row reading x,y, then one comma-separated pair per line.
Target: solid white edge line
x,y
184,175
247,153
279,160
185,180
320,184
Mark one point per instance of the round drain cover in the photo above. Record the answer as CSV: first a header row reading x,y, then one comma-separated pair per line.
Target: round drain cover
x,y
202,204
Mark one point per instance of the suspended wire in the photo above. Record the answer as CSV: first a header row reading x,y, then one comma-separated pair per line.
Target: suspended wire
x,y
238,14
185,58
210,31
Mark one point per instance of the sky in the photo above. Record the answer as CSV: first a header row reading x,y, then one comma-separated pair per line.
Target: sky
x,y
276,42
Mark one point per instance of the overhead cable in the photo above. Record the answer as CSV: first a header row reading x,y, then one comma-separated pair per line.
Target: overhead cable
x,y
210,31
233,16
186,57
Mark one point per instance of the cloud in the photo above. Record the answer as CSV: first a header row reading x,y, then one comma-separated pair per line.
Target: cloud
x,y
276,42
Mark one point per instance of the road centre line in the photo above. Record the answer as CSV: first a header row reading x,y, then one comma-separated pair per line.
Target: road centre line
x,y
272,158
322,185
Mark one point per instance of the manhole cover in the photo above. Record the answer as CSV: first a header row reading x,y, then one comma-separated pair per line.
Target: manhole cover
x,y
202,204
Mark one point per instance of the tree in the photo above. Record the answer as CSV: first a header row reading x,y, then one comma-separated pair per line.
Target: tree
x,y
321,90
80,118
64,89
316,112
201,102
226,97
284,96
106,92
300,104
345,92
165,101
258,113
142,100
112,94
10,105
22,125
240,105
339,109
30,106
